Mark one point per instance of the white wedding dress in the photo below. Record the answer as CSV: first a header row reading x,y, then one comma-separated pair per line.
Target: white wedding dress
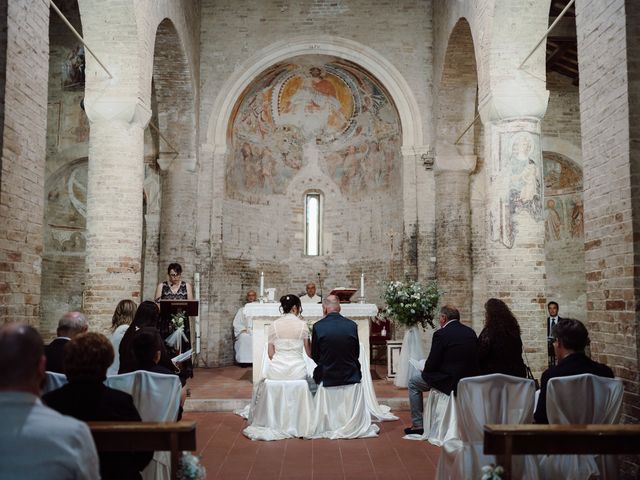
x,y
287,334
282,405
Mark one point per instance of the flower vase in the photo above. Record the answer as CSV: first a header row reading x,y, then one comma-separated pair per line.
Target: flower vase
x,y
411,349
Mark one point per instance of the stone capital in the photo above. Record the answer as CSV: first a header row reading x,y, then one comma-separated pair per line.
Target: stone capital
x,y
455,163
513,99
421,153
166,160
127,109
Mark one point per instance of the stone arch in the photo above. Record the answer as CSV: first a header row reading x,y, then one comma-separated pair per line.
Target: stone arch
x,y
456,98
369,59
174,112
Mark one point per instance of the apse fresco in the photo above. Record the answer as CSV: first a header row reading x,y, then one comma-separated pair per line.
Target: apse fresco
x,y
564,210
327,104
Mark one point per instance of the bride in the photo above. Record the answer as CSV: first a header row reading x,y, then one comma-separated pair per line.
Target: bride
x,y
282,404
287,337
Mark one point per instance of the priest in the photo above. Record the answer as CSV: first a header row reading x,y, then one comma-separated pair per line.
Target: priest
x,y
242,333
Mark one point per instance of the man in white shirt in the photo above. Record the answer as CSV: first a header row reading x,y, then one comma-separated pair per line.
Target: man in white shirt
x,y
36,442
311,296
242,334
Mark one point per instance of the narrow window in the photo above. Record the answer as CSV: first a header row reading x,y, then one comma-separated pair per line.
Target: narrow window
x,y
312,223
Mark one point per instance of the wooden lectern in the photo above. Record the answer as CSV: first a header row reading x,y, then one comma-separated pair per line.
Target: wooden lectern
x,y
171,307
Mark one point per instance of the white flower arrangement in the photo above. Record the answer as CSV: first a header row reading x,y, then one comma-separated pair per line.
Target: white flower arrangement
x,y
412,303
492,472
190,468
175,339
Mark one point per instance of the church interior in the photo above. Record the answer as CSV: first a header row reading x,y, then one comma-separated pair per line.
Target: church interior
x,y
265,144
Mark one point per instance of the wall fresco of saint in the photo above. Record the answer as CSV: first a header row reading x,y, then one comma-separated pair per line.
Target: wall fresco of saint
x,y
329,103
564,210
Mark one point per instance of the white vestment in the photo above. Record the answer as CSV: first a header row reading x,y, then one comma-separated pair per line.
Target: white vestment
x,y
242,334
307,299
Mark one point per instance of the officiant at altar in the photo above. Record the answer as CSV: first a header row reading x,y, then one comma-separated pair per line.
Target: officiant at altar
x,y
242,333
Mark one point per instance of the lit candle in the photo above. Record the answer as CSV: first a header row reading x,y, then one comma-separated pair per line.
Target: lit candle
x,y
362,285
261,284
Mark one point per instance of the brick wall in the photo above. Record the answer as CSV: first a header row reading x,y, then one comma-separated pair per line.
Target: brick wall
x,y
23,149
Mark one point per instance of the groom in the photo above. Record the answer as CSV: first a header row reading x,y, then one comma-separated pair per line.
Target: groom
x,y
335,347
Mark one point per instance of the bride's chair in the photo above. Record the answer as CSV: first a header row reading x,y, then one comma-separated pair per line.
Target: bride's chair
x,y
157,399
279,408
488,399
582,399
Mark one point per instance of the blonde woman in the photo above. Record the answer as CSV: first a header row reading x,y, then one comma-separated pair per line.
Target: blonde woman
x,y
122,318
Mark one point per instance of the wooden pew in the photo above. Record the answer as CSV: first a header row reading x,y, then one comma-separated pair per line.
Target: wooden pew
x,y
507,440
145,436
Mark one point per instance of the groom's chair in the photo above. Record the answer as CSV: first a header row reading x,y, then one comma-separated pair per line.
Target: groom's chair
x,y
341,412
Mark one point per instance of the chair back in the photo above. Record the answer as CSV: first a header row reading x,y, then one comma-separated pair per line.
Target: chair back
x,y
584,399
155,395
494,398
53,381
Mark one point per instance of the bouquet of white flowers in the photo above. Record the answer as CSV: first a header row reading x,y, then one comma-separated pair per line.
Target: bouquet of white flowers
x,y
190,468
175,339
412,303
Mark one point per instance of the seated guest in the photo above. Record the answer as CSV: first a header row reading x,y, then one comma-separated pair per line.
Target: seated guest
x,y
453,356
571,338
86,398
243,335
70,325
36,442
499,343
122,318
147,348
311,296
147,315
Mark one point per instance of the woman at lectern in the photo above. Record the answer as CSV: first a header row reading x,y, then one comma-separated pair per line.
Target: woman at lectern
x,y
176,289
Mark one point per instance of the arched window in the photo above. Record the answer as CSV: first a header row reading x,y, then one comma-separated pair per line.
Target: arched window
x,y
312,223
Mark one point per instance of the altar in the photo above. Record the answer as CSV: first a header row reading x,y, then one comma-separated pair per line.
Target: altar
x,y
263,314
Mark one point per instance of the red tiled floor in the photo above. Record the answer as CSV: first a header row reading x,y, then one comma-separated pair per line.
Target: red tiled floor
x,y
229,455
235,382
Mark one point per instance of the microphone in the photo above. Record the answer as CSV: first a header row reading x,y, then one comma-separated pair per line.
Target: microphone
x,y
320,284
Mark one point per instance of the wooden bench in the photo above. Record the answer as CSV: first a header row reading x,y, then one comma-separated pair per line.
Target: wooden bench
x,y
145,436
507,440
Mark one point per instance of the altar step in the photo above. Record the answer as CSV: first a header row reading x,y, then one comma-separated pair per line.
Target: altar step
x,y
397,404
226,389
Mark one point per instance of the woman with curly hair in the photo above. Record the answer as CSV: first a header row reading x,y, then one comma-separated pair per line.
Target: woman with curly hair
x,y
500,345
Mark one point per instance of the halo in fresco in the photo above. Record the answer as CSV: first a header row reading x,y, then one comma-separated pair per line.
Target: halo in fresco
x,y
328,102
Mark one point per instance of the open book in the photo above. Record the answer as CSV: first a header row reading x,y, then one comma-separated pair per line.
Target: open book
x,y
183,356
418,364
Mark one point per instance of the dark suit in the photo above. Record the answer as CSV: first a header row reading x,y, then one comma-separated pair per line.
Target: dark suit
x,y
550,333
453,355
93,401
574,364
335,348
55,354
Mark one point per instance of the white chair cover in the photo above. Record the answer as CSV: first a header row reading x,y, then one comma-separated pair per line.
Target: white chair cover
x,y
411,349
439,418
341,412
157,399
582,399
381,413
488,399
53,381
280,409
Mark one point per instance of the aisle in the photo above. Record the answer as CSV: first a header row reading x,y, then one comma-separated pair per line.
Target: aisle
x,y
228,455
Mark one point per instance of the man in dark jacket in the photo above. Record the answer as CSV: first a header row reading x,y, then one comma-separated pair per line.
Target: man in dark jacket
x,y
453,355
69,325
335,347
570,340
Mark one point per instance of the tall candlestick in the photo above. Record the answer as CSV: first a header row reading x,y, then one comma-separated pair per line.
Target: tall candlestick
x,y
261,284
362,285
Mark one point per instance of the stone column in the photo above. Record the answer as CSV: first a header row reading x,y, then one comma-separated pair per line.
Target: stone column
x,y
114,207
515,226
453,230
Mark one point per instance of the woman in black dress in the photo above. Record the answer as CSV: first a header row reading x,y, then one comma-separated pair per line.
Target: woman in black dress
x,y
176,289
499,343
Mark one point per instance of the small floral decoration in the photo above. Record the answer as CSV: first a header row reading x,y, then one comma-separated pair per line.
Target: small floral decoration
x,y
412,303
178,319
492,472
190,468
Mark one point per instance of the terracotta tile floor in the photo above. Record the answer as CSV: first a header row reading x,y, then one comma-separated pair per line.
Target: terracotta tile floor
x,y
235,383
229,455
